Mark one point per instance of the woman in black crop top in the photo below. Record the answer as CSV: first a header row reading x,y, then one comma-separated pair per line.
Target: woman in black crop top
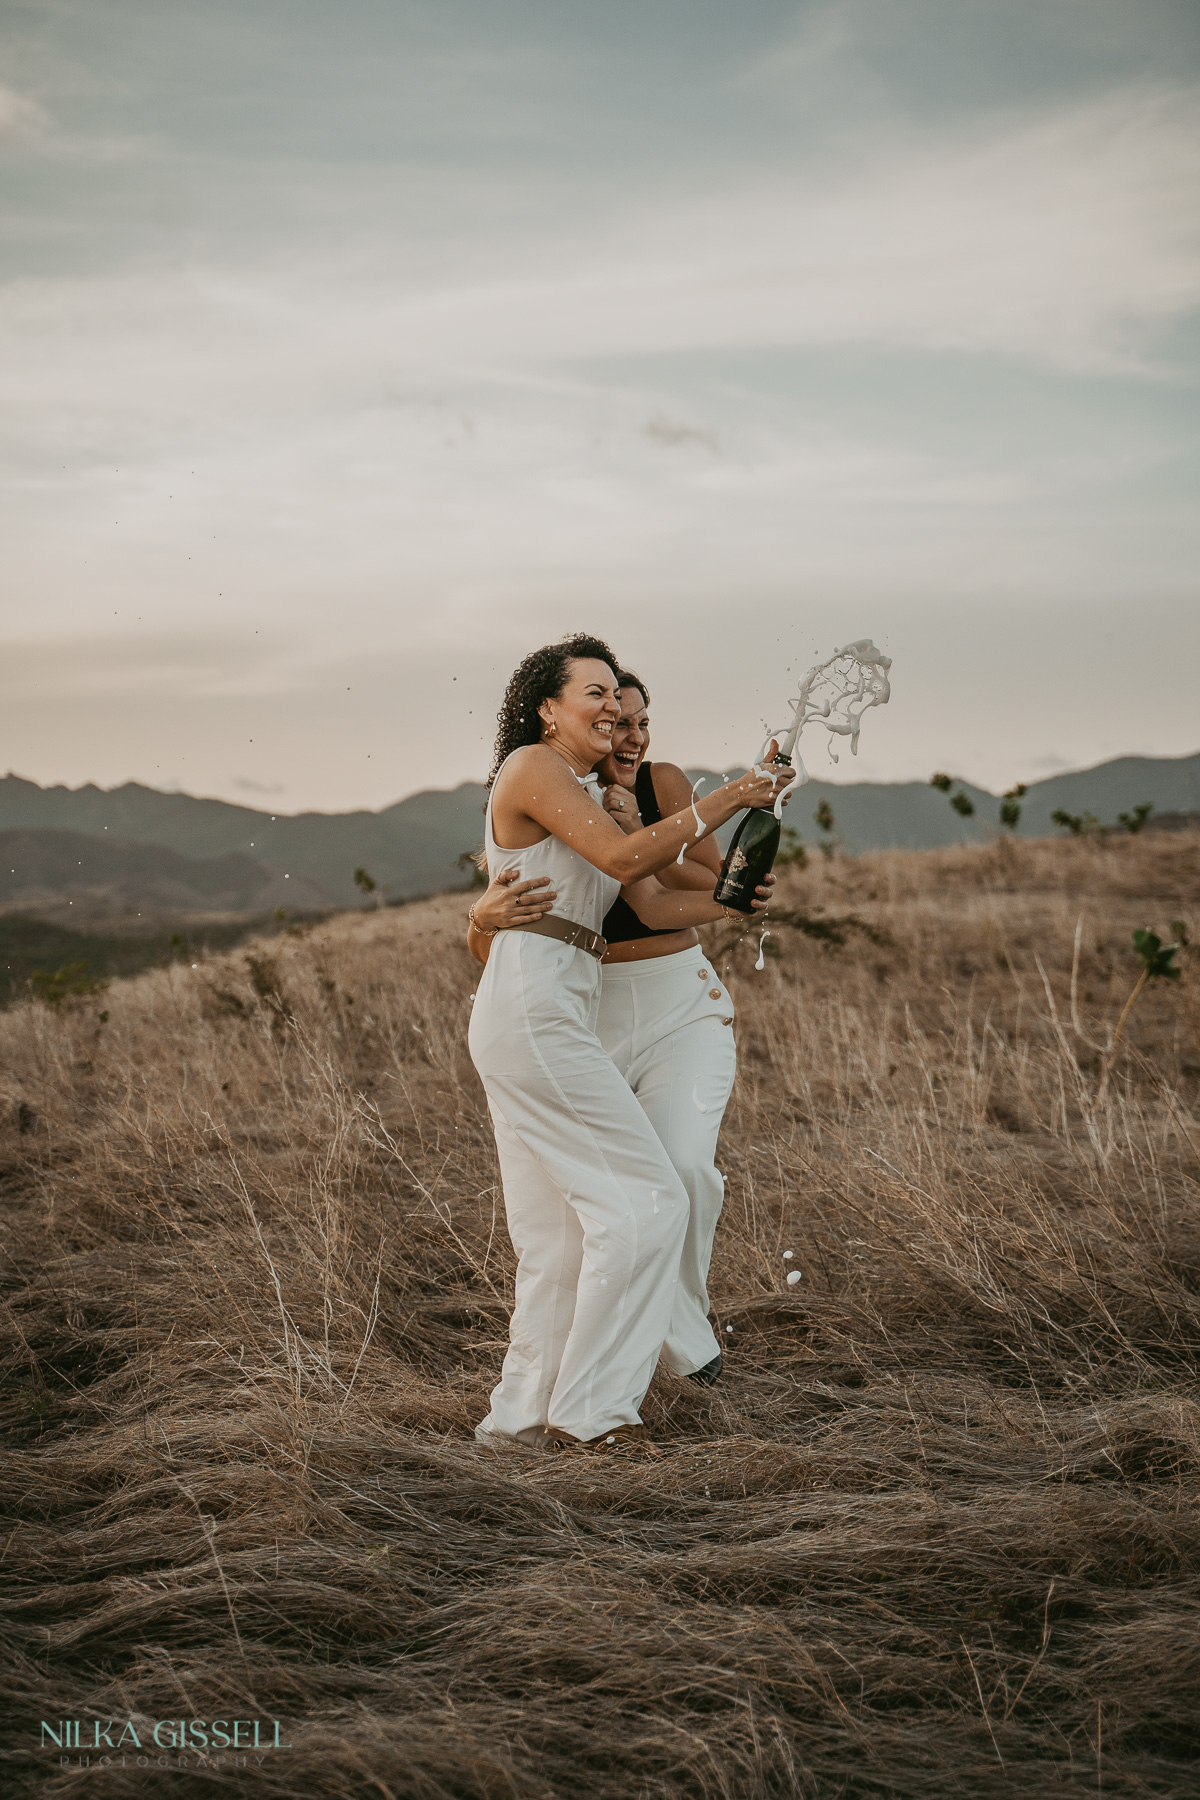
x,y
666,1018
639,793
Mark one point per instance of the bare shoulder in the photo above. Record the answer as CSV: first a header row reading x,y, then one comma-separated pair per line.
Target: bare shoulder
x,y
672,789
532,760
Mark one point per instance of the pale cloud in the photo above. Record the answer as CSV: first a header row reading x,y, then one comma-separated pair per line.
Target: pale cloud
x,y
873,62
1063,241
1059,240
245,785
131,662
354,408
21,117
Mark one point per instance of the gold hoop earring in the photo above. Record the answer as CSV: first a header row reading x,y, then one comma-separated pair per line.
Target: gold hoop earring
x,y
551,729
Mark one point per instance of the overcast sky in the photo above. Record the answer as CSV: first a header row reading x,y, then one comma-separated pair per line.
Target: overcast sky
x,y
350,350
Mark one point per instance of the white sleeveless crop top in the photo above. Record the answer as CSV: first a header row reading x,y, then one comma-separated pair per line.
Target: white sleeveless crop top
x,y
585,893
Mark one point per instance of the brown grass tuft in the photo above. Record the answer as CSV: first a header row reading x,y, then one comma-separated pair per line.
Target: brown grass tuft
x,y
935,1534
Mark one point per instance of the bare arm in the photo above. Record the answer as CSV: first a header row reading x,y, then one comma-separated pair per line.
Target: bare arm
x,y
537,793
506,902
664,902
702,862
671,909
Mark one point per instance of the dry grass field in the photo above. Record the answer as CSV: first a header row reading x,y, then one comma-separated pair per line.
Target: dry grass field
x,y
937,1531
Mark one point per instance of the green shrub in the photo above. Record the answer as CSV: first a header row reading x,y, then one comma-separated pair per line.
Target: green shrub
x,y
71,982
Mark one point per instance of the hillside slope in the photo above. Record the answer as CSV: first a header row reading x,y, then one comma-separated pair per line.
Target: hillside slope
x,y
109,875
33,945
935,1533
410,847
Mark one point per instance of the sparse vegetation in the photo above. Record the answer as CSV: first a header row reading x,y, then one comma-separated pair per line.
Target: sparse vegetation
x,y
792,853
367,885
32,946
935,1534
1086,824
1158,964
826,824
1134,821
1010,805
73,981
960,801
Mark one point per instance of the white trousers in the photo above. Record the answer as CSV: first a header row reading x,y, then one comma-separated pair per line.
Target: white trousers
x,y
668,1026
596,1212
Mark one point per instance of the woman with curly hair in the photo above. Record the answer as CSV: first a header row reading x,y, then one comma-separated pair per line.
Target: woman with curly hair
x,y
661,1018
596,1212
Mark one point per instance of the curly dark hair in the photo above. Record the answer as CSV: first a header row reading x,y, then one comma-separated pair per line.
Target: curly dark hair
x,y
542,676
627,678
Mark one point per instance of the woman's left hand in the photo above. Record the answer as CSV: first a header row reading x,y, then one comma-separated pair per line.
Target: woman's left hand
x,y
510,901
620,805
762,894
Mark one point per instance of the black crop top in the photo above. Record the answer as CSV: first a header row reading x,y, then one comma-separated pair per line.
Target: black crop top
x,y
621,924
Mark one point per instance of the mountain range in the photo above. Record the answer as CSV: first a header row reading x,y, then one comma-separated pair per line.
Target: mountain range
x,y
135,848
114,876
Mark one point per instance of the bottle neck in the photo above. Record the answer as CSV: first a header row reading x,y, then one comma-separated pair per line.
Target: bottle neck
x,y
781,757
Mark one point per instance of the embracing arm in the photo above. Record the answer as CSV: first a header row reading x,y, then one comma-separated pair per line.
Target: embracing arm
x,y
506,901
681,896
702,862
670,909
537,788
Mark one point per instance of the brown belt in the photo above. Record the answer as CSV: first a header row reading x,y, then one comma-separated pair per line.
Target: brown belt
x,y
567,932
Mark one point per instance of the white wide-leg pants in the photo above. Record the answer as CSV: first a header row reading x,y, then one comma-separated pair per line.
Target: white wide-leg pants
x,y
596,1212
668,1026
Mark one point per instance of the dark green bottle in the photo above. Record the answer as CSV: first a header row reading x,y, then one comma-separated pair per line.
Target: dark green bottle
x,y
749,857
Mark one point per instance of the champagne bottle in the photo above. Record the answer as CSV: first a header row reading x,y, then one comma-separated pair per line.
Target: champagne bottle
x,y
749,857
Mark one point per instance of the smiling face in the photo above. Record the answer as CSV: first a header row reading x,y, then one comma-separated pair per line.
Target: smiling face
x,y
630,740
583,715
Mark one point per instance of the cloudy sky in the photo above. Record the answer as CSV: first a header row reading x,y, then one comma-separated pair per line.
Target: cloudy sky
x,y
348,351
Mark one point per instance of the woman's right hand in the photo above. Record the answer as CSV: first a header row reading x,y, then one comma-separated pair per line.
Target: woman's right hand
x,y
509,901
761,789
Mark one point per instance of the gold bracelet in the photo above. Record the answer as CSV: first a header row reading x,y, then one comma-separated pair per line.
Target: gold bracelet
x,y
736,917
481,929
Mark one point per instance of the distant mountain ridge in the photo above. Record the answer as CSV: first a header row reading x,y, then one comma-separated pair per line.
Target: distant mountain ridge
x,y
110,875
412,847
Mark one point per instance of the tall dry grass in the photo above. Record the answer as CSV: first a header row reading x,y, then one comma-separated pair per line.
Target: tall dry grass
x,y
935,1533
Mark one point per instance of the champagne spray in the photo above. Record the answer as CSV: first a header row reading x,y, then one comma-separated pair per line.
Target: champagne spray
x,y
836,693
